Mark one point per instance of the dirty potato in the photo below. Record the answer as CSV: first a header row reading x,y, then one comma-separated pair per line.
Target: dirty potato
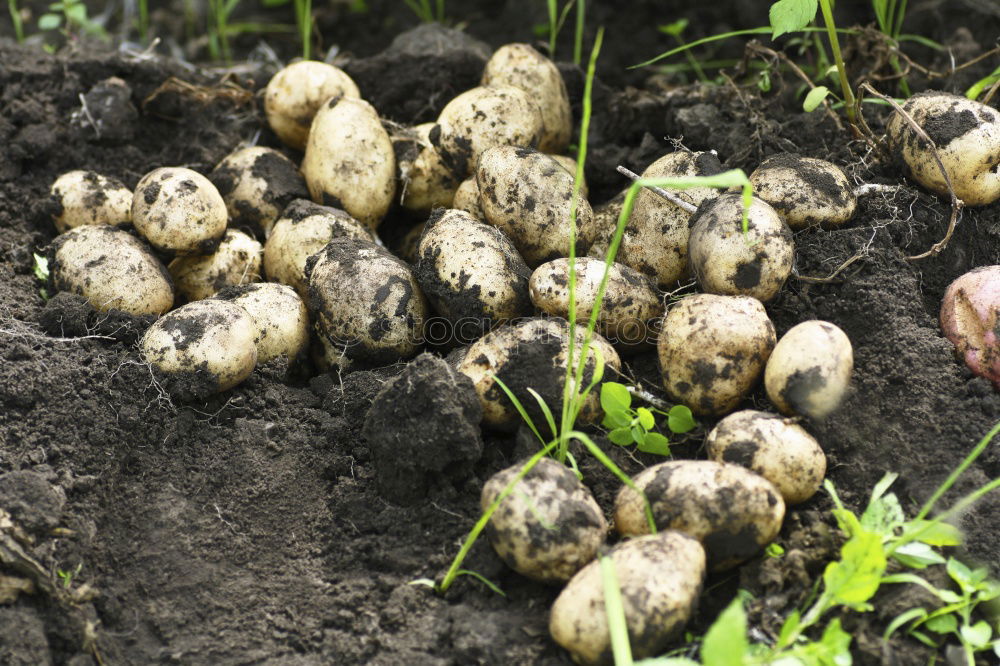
x,y
365,301
549,527
528,196
777,448
179,211
713,349
523,67
471,273
805,191
112,269
280,316
727,261
426,183
87,197
967,135
304,229
660,578
467,199
201,348
257,183
732,511
237,260
809,370
482,118
631,304
970,319
349,162
531,354
294,95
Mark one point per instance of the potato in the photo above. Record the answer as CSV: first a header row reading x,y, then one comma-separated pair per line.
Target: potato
x,y
810,369
294,95
731,510
406,247
349,161
426,182
549,527
530,354
280,316
523,67
778,449
655,242
236,261
257,183
482,118
805,191
365,301
569,164
179,211
712,350
631,303
660,578
970,319
202,348
726,261
467,199
87,197
471,273
967,135
112,269
528,195
597,234
304,229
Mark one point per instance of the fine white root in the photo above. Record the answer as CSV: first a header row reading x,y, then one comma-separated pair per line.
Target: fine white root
x,y
867,189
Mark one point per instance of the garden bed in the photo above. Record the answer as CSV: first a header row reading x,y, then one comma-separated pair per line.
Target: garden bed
x,y
248,529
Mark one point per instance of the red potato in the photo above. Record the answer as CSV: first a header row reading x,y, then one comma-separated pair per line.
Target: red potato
x,y
970,318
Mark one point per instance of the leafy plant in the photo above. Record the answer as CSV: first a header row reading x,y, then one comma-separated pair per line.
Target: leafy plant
x,y
637,426
15,18
66,576
676,30
427,12
70,16
219,28
40,267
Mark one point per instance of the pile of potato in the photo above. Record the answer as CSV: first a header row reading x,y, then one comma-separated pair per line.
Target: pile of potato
x,y
272,260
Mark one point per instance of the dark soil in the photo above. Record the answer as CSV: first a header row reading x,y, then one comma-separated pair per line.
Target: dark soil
x,y
249,528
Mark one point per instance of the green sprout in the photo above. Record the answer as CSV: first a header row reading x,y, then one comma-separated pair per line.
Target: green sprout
x,y
637,426
15,18
427,12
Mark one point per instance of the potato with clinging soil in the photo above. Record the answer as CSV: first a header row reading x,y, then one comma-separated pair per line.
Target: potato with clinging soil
x,y
809,370
725,260
549,527
660,578
365,302
112,269
732,511
425,181
202,348
531,354
528,196
179,211
257,183
523,67
713,349
304,229
236,261
349,161
967,135
467,199
630,307
471,273
280,316
805,191
777,448
294,95
87,197
970,319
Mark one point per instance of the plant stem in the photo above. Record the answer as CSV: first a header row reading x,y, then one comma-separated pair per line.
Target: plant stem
x,y
15,17
831,31
581,8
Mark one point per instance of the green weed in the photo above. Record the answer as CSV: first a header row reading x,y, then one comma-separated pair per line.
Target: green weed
x,y
426,11
15,18
637,426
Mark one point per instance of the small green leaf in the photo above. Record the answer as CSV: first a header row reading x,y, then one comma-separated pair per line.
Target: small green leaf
x,y
680,420
837,643
615,397
725,641
917,555
41,267
646,418
674,29
764,81
789,628
959,572
942,624
654,442
616,420
638,434
978,635
774,549
49,21
791,16
815,98
621,436
77,13
426,582
941,534
854,579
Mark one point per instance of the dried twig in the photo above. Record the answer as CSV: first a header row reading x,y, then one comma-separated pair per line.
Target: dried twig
x,y
672,198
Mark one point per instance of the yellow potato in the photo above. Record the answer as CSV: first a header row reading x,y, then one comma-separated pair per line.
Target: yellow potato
x,y
87,197
294,95
805,191
257,183
280,315
179,211
809,370
237,260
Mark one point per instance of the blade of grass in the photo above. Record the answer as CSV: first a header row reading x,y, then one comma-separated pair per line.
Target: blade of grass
x,y
615,611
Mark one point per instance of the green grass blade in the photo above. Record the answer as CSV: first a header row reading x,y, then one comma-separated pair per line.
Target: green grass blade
x,y
546,411
596,451
615,610
520,408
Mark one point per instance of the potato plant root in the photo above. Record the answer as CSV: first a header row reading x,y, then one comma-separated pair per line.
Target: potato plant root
x,y
248,527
